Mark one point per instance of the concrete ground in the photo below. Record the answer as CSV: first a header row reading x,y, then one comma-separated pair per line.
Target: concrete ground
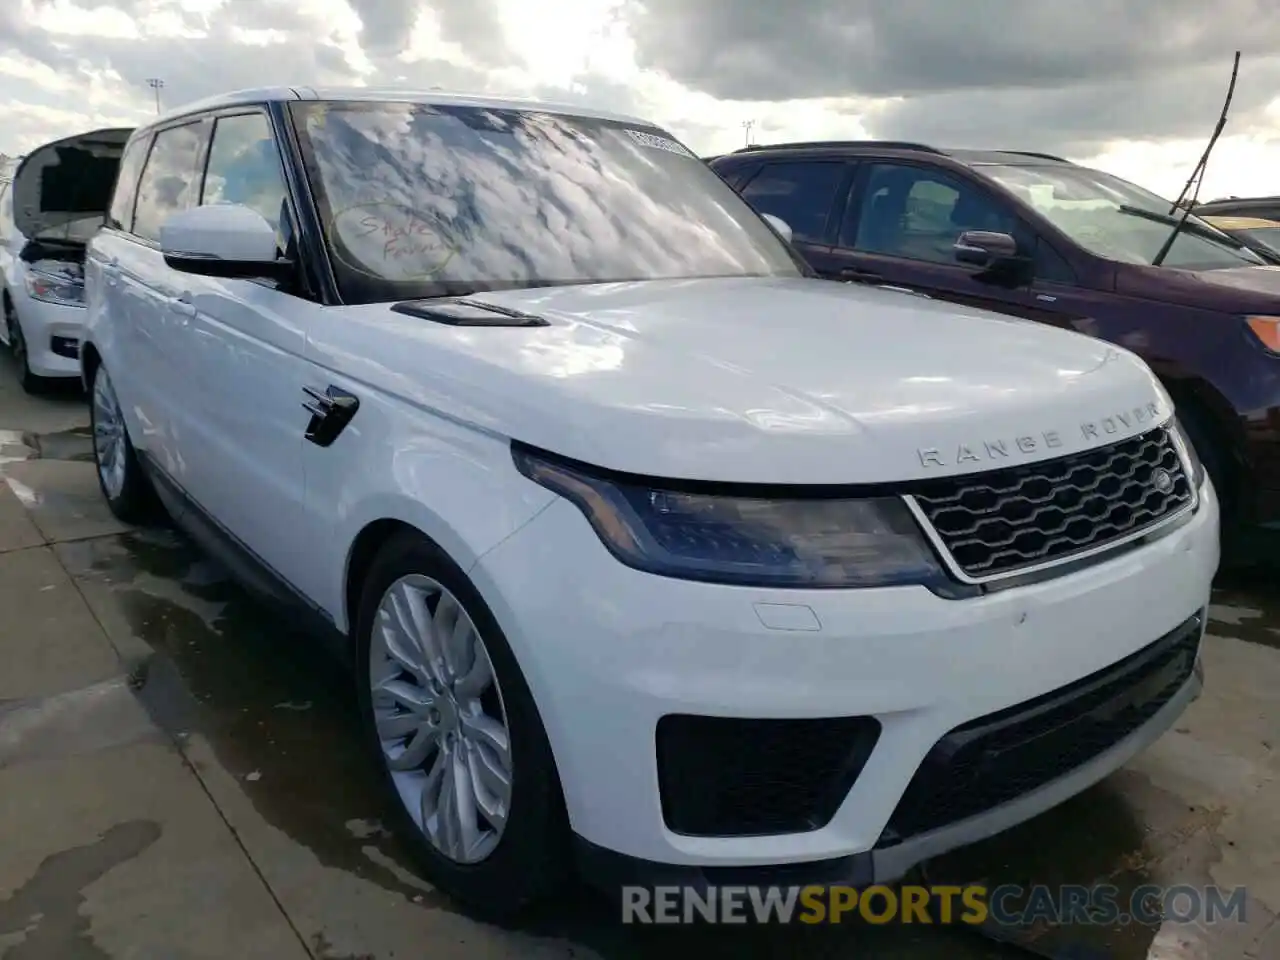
x,y
180,777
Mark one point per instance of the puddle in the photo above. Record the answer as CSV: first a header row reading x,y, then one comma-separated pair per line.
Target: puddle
x,y
75,444
1246,607
277,708
18,446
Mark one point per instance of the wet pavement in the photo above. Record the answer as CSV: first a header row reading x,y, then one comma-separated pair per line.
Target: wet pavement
x,y
180,776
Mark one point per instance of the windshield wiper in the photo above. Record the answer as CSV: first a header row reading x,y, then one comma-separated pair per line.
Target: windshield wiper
x,y
1181,225
1197,174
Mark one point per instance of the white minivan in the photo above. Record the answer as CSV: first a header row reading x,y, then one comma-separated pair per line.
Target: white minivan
x,y
54,205
657,558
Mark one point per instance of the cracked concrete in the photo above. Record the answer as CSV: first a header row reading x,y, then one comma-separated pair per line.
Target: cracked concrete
x,y
180,776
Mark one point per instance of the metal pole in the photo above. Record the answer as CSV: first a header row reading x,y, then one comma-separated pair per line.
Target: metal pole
x,y
156,84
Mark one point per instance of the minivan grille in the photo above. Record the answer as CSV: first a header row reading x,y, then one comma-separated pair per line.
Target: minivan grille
x,y
1007,520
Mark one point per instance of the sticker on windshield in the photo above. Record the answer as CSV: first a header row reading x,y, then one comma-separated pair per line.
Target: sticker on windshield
x,y
655,142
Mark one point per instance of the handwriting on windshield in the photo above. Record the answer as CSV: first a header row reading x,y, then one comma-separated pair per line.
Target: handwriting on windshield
x,y
400,240
394,241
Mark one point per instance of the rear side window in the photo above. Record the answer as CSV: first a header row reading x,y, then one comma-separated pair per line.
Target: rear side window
x,y
120,215
171,178
800,192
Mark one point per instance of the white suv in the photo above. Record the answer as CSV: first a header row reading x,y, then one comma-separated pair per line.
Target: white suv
x,y
657,557
55,204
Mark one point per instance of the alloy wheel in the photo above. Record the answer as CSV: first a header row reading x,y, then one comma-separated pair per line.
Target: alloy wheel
x,y
109,440
440,718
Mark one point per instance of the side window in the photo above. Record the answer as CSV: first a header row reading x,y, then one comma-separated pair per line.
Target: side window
x,y
801,193
171,179
120,214
244,167
917,213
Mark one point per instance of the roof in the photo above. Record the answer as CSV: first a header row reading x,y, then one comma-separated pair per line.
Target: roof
x,y
973,157
403,95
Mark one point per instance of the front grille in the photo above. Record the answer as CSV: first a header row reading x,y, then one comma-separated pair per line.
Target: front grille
x,y
1008,520
999,757
723,777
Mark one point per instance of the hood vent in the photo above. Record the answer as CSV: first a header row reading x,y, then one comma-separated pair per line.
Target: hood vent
x,y
467,313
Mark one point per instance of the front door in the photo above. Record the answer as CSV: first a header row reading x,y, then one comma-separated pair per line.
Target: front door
x,y
243,365
902,222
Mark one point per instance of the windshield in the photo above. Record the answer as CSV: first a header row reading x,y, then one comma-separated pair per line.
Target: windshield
x,y
420,201
1268,237
1089,206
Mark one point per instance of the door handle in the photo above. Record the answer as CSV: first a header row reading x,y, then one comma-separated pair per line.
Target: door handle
x,y
183,307
856,273
111,273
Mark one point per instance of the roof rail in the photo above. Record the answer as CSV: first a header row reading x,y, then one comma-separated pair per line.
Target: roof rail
x,y
806,144
1034,153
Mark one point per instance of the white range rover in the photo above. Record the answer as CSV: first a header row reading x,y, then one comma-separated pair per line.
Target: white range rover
x,y
657,557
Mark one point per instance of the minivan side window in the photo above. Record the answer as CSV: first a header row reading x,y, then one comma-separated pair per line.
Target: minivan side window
x,y
244,167
799,192
171,179
120,214
918,212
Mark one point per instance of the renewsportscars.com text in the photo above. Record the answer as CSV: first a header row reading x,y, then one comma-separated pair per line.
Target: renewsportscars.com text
x,y
972,904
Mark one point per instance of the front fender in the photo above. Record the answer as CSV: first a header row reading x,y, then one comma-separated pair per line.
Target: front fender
x,y
458,488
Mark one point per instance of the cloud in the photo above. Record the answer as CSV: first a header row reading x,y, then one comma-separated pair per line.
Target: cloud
x,y
1042,74
1085,78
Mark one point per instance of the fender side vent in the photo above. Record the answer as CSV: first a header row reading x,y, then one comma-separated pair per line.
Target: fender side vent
x,y
467,313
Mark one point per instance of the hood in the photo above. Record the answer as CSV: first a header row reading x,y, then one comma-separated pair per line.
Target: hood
x,y
67,181
1229,290
756,380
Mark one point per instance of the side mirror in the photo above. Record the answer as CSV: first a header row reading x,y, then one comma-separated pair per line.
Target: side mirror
x,y
981,248
226,240
780,225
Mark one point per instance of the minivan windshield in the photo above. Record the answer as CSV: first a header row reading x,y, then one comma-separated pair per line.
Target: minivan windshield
x,y
1105,215
420,200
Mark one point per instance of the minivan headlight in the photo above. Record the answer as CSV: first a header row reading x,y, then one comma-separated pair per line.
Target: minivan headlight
x,y
739,539
51,289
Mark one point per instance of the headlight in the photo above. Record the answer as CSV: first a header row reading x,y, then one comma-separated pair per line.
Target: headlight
x,y
1188,451
51,289
738,539
1266,330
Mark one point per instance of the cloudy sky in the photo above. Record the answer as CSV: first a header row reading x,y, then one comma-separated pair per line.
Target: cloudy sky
x,y
1133,86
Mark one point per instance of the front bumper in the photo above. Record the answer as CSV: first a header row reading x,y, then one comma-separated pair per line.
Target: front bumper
x,y
609,651
53,332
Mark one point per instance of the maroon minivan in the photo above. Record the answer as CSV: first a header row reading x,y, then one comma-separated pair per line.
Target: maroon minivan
x,y
1039,237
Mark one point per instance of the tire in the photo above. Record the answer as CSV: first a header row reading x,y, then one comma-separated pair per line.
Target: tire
x,y
527,859
125,487
30,382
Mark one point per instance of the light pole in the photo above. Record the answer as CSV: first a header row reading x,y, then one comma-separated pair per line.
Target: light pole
x,y
156,84
746,128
